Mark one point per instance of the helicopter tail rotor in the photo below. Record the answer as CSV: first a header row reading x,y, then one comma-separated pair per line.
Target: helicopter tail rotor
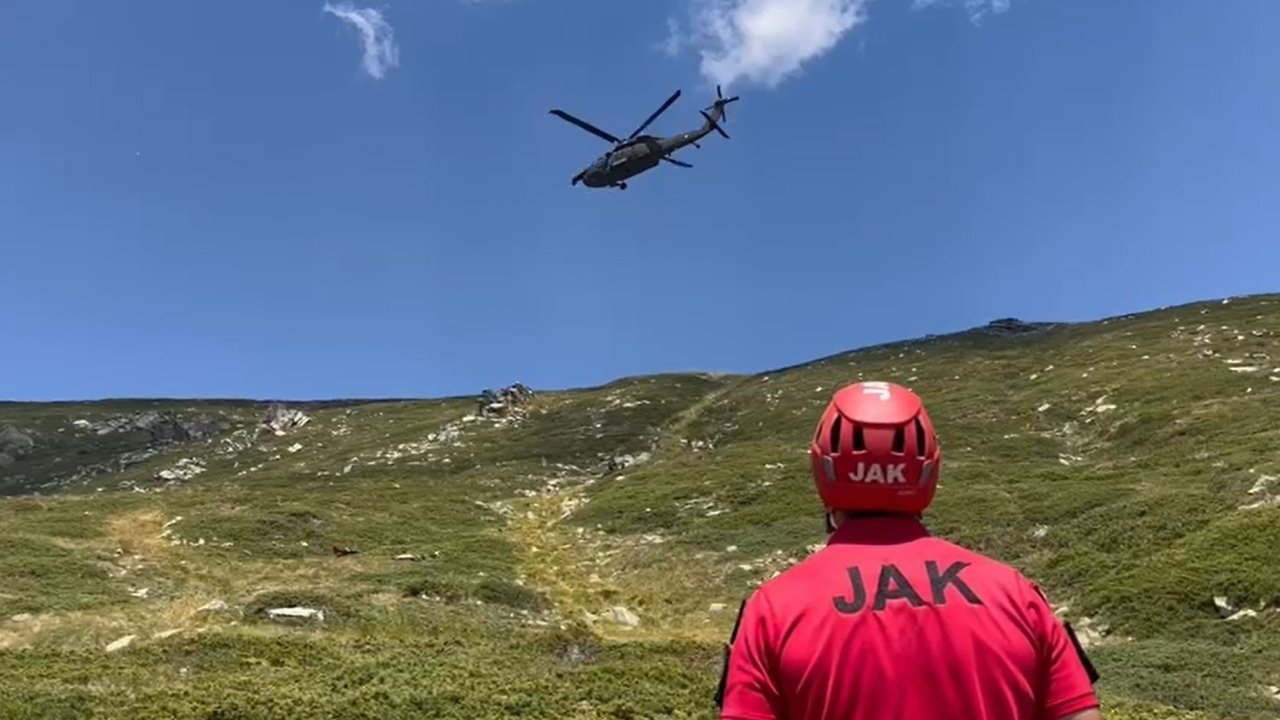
x,y
721,102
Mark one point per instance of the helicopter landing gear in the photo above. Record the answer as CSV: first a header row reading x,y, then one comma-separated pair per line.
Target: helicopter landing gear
x,y
622,186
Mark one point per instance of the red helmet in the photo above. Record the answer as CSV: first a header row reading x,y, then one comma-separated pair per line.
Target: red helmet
x,y
875,449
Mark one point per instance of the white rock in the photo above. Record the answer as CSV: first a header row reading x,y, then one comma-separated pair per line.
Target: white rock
x,y
1100,406
1224,608
295,614
623,617
626,461
122,643
213,607
1268,501
185,469
1089,631
22,618
1261,485
166,634
717,607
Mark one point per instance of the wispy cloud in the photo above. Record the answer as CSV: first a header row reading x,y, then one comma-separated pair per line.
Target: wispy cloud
x,y
380,49
978,9
768,41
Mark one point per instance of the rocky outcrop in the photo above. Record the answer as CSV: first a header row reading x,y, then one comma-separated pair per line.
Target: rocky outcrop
x,y
280,419
185,469
164,427
15,443
1013,326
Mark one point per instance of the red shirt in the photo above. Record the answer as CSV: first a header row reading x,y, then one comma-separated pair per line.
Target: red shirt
x,y
889,622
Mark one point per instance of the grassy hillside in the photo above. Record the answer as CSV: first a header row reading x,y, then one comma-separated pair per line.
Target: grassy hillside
x,y
584,561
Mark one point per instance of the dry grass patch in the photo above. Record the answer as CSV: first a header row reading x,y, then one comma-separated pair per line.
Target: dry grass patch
x,y
140,532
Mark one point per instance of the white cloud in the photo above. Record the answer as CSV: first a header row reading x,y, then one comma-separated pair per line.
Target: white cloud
x,y
768,41
764,41
380,49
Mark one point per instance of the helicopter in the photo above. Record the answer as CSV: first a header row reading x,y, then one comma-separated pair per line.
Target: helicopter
x,y
638,153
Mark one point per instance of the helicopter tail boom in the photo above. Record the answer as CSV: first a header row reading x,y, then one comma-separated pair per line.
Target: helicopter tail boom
x,y
713,125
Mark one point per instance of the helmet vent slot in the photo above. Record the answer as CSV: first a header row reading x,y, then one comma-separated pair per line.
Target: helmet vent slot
x,y
835,435
899,440
859,442
920,439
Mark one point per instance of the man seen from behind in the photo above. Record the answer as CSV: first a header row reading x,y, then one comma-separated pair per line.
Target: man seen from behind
x,y
887,621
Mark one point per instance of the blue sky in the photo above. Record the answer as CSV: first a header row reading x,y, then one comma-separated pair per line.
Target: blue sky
x,y
220,199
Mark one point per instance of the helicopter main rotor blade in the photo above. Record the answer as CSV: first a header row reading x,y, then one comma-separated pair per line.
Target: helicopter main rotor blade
x,y
585,126
673,161
656,113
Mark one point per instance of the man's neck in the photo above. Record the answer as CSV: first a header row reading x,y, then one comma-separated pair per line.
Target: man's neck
x,y
844,516
867,524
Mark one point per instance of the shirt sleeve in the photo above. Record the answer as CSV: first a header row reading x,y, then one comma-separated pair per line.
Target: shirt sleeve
x,y
1065,683
751,690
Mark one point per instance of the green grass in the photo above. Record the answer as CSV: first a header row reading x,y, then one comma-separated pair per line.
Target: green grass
x,y
1130,516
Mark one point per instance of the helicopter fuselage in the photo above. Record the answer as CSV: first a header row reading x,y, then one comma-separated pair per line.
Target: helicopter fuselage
x,y
630,158
623,161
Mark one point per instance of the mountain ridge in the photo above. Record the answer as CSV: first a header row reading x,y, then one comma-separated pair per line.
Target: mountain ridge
x,y
579,554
